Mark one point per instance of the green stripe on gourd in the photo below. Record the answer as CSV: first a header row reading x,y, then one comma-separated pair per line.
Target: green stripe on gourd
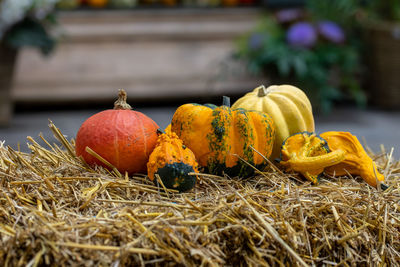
x,y
217,133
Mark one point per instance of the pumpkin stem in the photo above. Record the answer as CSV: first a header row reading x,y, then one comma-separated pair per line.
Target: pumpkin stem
x,y
262,91
226,101
121,101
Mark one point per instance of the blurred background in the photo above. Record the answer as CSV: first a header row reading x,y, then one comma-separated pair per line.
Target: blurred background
x,y
65,60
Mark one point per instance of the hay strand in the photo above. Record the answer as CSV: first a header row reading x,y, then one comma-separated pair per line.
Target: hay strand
x,y
56,210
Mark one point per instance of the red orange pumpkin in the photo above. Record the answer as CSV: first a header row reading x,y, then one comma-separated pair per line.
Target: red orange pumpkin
x,y
123,137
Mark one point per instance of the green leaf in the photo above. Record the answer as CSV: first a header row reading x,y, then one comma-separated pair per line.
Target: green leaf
x,y
300,65
30,33
283,65
52,19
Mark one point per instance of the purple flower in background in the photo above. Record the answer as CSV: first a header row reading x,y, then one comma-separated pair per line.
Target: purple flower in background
x,y
331,31
256,41
301,34
288,15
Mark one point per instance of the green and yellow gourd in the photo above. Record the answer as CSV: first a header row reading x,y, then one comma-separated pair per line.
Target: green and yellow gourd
x,y
225,140
173,162
288,106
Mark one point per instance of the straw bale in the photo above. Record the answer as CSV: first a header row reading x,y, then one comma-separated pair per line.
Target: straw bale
x,y
56,211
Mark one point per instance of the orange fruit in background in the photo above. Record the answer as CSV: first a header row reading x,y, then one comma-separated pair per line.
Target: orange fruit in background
x,y
169,2
97,3
230,3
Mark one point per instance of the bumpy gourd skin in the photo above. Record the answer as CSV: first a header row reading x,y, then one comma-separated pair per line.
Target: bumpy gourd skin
x,y
308,154
173,162
288,107
220,137
356,162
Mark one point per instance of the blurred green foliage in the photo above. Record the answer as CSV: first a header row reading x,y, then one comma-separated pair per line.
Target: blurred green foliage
x,y
327,71
28,23
30,32
388,10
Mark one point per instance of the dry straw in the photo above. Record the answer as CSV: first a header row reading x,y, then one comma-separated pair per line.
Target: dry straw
x,y
55,210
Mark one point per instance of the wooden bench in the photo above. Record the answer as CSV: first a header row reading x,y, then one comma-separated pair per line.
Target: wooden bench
x,y
152,54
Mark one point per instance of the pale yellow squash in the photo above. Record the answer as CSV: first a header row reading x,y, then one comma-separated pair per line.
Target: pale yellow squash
x,y
288,106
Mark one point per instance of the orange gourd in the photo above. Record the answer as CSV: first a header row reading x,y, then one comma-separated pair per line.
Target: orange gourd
x,y
123,137
173,162
308,154
356,162
224,140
